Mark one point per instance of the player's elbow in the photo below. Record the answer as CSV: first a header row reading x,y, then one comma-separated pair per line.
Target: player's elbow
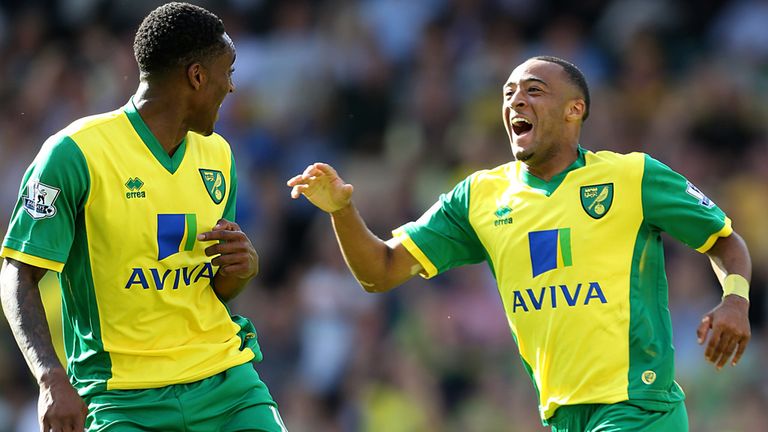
x,y
374,287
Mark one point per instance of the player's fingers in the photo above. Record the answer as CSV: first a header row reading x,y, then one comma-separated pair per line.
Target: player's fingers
x,y
229,259
311,172
227,248
728,344
298,190
703,329
234,269
293,181
326,169
223,224
348,189
740,351
714,340
221,235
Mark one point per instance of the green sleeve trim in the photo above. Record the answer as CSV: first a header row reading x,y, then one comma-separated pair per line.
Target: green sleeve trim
x,y
43,225
229,208
444,233
674,205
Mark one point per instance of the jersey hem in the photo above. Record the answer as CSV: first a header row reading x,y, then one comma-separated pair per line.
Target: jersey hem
x,y
547,414
141,385
652,400
33,260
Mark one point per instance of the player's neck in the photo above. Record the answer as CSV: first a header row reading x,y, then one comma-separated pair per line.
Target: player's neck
x,y
162,115
553,164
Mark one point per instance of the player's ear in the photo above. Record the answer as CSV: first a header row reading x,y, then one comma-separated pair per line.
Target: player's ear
x,y
196,75
575,110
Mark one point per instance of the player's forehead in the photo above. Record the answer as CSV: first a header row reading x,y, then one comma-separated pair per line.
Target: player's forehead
x,y
536,70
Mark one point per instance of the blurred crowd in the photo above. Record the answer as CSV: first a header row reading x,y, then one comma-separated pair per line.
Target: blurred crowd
x,y
404,98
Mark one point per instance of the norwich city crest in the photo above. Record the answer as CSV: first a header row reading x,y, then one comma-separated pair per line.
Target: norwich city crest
x,y
214,184
597,199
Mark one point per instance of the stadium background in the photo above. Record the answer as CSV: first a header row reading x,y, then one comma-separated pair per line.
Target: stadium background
x,y
403,96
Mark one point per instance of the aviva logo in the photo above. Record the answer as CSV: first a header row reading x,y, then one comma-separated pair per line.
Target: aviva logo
x,y
550,249
175,233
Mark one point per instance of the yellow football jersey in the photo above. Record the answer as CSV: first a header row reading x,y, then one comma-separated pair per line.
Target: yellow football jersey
x,y
108,208
580,268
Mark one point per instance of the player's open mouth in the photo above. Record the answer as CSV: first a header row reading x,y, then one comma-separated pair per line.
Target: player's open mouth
x,y
521,126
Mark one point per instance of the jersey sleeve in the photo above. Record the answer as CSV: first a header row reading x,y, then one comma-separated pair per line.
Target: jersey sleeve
x,y
673,204
53,192
443,238
229,208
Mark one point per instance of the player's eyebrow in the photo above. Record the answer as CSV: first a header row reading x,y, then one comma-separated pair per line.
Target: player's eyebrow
x,y
526,80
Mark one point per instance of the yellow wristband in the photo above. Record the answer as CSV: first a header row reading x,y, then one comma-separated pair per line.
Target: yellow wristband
x,y
736,284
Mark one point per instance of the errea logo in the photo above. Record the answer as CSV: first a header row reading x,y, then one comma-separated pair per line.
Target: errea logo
x,y
502,216
134,185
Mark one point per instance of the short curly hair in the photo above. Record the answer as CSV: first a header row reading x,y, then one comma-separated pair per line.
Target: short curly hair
x,y
574,75
177,34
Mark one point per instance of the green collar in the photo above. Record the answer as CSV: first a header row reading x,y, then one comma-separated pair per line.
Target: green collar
x,y
170,163
548,187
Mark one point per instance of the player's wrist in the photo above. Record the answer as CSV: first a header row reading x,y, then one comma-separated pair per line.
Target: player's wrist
x,y
344,209
51,376
736,284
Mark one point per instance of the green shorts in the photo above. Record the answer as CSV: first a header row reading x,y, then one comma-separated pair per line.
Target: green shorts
x,y
233,400
622,416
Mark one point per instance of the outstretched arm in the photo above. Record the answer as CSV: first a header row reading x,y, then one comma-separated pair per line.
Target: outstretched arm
x,y
378,265
728,321
59,405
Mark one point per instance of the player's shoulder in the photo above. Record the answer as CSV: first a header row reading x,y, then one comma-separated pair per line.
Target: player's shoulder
x,y
65,138
498,173
611,158
214,143
94,121
71,134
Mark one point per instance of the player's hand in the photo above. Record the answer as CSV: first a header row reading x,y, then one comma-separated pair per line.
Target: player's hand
x,y
323,187
236,254
59,407
729,323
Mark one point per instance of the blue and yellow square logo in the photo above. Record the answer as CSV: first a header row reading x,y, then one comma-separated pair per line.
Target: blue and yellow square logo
x,y
175,233
550,249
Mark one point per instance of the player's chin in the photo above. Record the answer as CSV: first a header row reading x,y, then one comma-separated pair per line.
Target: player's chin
x,y
207,131
521,153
